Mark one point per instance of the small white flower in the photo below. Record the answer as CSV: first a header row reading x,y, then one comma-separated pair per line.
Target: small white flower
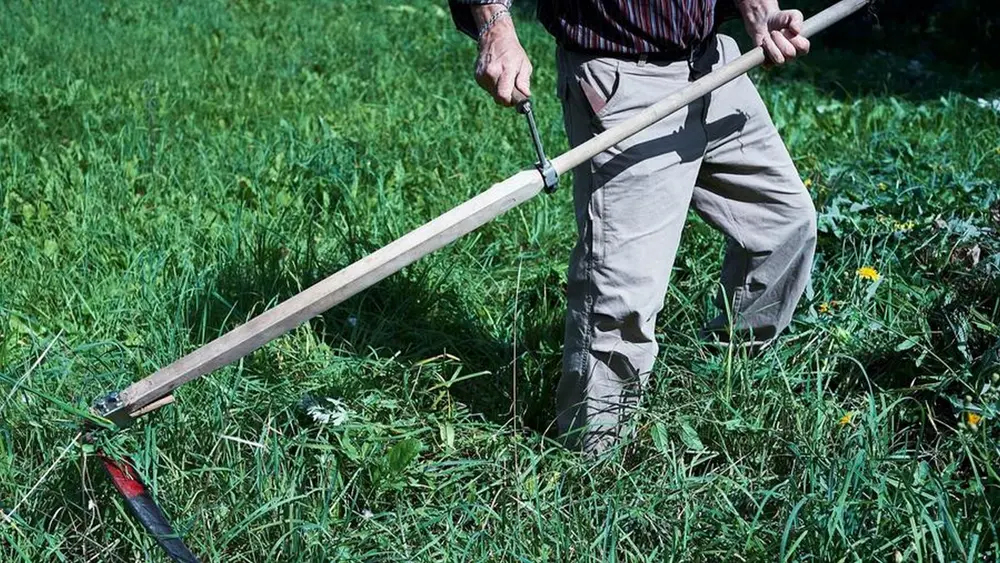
x,y
989,104
832,106
352,320
330,411
367,514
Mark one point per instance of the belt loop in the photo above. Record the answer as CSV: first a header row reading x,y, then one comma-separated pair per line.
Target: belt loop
x,y
691,59
696,52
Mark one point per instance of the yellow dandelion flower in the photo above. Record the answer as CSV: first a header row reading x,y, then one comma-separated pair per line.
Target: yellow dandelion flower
x,y
882,186
869,273
847,418
824,307
808,182
972,418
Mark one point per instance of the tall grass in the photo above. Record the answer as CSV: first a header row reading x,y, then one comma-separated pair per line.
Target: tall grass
x,y
169,171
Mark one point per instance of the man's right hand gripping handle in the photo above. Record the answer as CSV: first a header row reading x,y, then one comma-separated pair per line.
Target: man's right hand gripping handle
x,y
502,67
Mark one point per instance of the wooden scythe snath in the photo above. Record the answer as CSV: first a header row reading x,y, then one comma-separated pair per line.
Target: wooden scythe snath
x,y
153,392
149,394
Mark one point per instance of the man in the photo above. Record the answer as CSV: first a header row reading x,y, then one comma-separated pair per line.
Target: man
x,y
721,155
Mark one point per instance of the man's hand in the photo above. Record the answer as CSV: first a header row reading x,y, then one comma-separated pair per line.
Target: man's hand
x,y
502,65
777,30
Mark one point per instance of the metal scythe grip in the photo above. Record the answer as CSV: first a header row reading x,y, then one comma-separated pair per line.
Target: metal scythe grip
x,y
550,177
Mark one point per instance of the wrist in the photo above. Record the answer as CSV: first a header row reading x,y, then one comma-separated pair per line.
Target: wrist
x,y
482,13
756,12
499,25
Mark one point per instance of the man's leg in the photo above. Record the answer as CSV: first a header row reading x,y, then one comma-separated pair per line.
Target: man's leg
x,y
631,204
750,190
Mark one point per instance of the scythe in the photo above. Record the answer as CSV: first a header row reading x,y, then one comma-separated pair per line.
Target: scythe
x,y
155,391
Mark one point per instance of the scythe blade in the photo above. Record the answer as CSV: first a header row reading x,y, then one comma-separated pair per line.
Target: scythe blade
x,y
141,504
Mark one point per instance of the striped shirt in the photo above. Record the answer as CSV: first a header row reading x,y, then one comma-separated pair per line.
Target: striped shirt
x,y
616,27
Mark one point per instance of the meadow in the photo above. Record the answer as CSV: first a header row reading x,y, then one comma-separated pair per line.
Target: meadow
x,y
169,170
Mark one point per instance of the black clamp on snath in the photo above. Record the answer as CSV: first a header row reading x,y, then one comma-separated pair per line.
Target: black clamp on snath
x,y
550,178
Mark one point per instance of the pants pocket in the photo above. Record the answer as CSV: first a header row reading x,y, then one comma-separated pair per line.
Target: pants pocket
x,y
601,87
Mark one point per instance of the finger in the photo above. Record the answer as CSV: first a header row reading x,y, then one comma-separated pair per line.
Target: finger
x,y
795,21
800,43
482,76
786,48
505,87
487,79
788,19
483,81
523,80
771,51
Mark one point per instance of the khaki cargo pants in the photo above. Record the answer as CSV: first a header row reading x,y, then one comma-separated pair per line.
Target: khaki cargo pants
x,y
721,155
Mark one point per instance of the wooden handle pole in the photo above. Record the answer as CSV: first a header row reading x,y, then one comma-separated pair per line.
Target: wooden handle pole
x,y
326,293
148,394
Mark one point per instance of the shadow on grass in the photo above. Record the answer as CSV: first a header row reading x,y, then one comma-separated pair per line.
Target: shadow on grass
x,y
845,74
408,316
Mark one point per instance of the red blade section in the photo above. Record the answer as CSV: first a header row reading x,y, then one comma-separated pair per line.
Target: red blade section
x,y
143,507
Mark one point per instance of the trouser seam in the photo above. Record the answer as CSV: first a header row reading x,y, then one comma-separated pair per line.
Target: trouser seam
x,y
737,298
584,365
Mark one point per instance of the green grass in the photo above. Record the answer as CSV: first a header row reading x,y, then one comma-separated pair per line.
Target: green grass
x,y
167,172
